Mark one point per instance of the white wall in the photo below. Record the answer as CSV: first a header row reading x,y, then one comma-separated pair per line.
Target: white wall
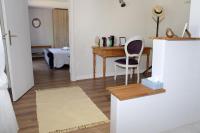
x,y
195,18
103,17
44,34
178,106
177,14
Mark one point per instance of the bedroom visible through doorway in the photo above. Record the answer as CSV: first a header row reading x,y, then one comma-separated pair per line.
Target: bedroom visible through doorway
x,y
49,32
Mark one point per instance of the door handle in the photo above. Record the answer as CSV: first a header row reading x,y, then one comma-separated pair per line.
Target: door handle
x,y
4,36
10,37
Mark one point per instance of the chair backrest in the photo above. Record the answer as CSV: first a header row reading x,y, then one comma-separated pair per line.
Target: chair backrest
x,y
134,47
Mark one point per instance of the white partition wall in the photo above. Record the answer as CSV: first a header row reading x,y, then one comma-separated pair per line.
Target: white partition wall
x,y
195,18
177,64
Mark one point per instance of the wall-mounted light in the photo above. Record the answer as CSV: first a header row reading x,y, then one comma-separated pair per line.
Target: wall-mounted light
x,y
123,4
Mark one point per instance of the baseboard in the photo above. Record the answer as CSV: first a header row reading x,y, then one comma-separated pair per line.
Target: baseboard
x,y
99,75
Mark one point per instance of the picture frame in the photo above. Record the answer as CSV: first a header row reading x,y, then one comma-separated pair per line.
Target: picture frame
x,y
122,41
186,31
36,23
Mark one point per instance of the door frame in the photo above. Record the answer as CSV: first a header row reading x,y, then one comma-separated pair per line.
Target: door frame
x,y
72,42
5,45
70,9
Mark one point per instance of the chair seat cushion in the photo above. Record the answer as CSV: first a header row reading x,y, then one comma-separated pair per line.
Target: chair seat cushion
x,y
132,61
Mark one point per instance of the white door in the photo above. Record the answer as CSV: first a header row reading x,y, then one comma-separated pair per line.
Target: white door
x,y
16,25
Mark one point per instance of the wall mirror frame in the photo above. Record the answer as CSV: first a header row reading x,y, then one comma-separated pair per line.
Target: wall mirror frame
x,y
36,23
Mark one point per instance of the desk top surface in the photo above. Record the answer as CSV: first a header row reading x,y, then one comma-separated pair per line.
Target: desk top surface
x,y
115,47
132,91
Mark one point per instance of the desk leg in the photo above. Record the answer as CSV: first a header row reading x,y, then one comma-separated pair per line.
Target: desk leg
x,y
104,67
94,65
147,63
148,67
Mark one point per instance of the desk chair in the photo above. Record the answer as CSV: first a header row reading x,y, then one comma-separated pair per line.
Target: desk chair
x,y
133,49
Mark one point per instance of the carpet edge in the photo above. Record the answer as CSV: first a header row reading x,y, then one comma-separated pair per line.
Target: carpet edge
x,y
80,127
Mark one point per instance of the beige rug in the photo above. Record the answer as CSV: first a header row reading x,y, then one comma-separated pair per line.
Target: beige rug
x,y
66,109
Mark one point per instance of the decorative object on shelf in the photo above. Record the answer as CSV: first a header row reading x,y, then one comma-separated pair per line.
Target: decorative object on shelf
x,y
36,23
111,41
158,16
104,41
170,33
122,41
122,3
152,83
186,31
97,41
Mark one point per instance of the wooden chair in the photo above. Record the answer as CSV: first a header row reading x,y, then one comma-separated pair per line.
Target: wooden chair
x,y
133,49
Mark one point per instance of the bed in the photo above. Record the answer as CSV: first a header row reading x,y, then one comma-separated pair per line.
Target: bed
x,y
57,57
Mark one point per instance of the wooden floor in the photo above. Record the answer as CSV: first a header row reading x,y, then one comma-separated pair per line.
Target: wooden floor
x,y
25,108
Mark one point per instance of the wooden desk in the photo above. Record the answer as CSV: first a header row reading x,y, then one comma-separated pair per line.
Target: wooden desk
x,y
108,52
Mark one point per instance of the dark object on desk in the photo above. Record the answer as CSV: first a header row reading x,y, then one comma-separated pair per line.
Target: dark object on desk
x,y
111,40
104,41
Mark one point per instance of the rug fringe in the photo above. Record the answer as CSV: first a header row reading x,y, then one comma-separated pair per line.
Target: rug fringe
x,y
80,127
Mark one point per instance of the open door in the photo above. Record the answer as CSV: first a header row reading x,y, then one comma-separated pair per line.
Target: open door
x,y
18,44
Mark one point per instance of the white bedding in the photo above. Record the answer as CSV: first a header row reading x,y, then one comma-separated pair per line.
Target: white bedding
x,y
61,56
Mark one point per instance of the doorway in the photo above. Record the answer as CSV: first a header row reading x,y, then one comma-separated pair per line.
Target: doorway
x,y
49,31
15,16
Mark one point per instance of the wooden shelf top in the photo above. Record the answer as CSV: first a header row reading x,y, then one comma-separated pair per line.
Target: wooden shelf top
x,y
176,38
132,91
